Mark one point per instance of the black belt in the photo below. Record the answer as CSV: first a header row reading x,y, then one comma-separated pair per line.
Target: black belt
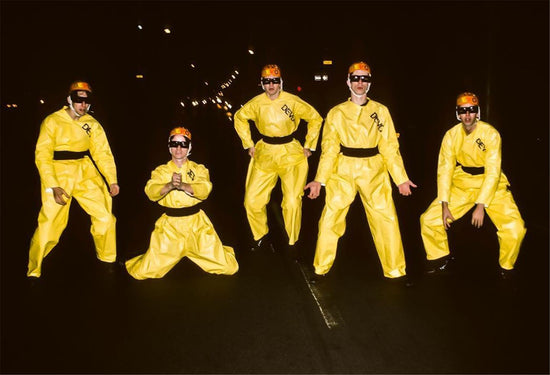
x,y
278,140
70,155
472,170
183,211
359,152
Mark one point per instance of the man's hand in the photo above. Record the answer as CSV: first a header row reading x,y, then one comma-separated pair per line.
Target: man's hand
x,y
58,194
251,151
314,189
114,189
405,187
446,215
478,215
176,180
307,152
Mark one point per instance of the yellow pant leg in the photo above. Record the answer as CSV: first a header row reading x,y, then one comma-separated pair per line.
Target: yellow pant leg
x,y
92,195
293,180
432,230
376,195
52,220
207,251
340,193
511,230
259,184
166,249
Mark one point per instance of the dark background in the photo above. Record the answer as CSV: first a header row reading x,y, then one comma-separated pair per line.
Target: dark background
x,y
422,54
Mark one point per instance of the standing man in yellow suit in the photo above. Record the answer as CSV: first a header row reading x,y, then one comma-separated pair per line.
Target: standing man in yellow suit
x,y
277,154
359,148
469,174
66,141
184,230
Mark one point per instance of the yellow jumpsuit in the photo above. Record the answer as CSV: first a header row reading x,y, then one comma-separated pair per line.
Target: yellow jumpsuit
x,y
79,178
276,118
356,126
462,190
174,237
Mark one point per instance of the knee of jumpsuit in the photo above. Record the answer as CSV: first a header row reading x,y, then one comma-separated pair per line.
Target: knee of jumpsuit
x,y
101,225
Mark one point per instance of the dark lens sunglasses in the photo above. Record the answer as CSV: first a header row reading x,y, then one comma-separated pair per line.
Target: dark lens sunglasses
x,y
182,144
80,99
463,110
354,78
267,81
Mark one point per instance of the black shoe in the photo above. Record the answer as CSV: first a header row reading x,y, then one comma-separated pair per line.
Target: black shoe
x,y
442,266
317,279
262,243
401,281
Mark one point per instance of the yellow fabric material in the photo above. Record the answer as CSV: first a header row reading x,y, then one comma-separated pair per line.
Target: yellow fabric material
x,y
481,148
356,126
79,178
190,236
276,118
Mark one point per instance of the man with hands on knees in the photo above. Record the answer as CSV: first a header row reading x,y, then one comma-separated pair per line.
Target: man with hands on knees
x,y
183,230
469,174
68,141
359,148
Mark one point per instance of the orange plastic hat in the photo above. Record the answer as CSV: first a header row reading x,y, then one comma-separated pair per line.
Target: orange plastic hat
x,y
182,131
359,66
80,85
467,98
271,70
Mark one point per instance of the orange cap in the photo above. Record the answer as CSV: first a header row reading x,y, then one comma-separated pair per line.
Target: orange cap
x,y
271,70
80,85
182,131
467,98
359,66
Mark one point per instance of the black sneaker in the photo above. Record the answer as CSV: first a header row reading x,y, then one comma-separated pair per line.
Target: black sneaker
x,y
262,243
442,266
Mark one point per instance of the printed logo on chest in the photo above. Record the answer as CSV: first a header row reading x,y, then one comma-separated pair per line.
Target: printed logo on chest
x,y
288,111
87,129
480,144
376,121
191,174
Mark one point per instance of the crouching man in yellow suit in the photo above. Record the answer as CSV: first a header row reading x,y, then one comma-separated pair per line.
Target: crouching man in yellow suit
x,y
67,140
469,174
184,230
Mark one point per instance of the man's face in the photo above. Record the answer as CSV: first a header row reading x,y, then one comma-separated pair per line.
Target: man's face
x,y
358,82
468,114
272,85
80,104
176,148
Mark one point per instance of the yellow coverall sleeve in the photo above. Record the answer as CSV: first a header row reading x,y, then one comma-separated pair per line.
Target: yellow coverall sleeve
x,y
44,152
388,146
330,146
314,121
101,153
445,168
492,169
242,126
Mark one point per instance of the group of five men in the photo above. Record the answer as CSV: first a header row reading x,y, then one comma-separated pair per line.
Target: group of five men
x,y
360,151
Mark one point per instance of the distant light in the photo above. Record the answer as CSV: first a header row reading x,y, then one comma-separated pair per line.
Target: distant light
x,y
167,31
250,51
236,72
229,114
219,106
14,105
325,77
195,103
139,76
299,88
204,101
205,83
182,104
317,77
42,101
225,108
327,62
192,65
218,100
140,27
8,105
228,105
232,76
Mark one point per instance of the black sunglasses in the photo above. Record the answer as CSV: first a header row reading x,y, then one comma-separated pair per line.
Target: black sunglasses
x,y
182,144
463,110
80,99
356,78
267,81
